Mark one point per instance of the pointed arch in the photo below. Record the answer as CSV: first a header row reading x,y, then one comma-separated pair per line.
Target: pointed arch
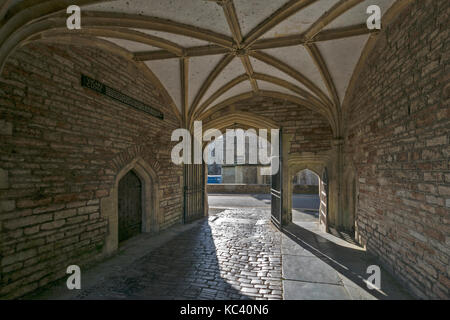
x,y
151,215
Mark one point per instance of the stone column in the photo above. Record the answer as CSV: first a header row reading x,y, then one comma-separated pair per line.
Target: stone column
x,y
286,185
335,184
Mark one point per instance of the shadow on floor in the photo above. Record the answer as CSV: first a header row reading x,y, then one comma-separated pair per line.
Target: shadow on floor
x,y
349,262
185,267
305,215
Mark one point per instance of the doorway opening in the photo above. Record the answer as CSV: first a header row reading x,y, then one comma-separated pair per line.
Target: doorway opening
x,y
130,206
235,175
305,197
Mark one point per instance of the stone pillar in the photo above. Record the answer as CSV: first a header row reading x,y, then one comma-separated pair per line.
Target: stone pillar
x,y
286,182
288,194
238,174
259,179
334,166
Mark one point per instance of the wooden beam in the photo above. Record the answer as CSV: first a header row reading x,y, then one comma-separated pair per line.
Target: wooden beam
x,y
338,9
290,8
211,77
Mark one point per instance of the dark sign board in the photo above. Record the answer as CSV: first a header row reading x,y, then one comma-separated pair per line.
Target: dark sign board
x,y
99,87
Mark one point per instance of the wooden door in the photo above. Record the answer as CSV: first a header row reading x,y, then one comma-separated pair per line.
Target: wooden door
x,y
130,206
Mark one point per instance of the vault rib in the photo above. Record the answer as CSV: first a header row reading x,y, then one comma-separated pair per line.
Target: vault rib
x,y
315,54
263,77
222,44
232,19
249,70
154,23
187,53
344,32
87,41
300,39
290,86
233,23
338,9
220,91
278,16
120,33
272,94
270,60
211,77
184,75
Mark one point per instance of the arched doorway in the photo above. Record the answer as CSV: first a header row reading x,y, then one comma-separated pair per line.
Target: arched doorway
x,y
130,206
237,174
305,197
251,181
148,201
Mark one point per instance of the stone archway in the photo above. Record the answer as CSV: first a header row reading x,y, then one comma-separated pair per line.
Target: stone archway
x,y
232,119
150,202
316,164
130,206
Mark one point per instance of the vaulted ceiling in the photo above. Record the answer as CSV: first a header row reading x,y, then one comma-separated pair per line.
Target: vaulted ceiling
x,y
210,53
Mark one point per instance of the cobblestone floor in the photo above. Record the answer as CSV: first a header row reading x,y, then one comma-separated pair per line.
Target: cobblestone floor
x,y
235,254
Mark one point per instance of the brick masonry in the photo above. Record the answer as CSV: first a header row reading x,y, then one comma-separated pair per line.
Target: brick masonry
x,y
311,132
61,147
398,140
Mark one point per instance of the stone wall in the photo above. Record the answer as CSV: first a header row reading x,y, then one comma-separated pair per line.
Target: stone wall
x,y
305,189
398,140
238,188
61,148
311,132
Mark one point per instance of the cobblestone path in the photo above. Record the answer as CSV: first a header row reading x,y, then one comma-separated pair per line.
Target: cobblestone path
x,y
235,254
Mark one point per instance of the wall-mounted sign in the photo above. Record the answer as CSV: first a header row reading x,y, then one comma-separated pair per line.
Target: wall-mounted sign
x,y
99,87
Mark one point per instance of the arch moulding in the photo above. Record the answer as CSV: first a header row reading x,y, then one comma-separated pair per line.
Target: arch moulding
x,y
151,217
317,164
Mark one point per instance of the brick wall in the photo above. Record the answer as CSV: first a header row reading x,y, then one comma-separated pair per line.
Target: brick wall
x,y
398,140
61,147
312,133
